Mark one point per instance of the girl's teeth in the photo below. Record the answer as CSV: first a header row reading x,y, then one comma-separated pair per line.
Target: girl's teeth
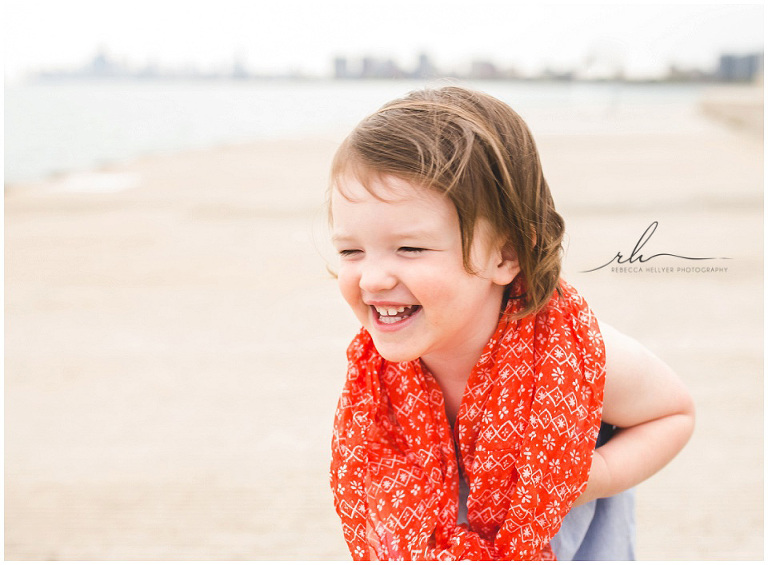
x,y
392,314
390,311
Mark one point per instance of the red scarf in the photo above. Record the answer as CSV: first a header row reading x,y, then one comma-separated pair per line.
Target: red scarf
x,y
525,434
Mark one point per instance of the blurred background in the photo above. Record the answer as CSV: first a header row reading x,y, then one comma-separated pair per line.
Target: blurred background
x,y
174,346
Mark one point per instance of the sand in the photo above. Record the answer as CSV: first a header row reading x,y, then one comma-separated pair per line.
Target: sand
x,y
175,347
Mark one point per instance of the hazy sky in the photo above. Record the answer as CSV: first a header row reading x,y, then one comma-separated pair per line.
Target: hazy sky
x,y
305,35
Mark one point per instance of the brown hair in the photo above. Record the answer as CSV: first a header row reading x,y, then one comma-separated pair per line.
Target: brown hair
x,y
478,152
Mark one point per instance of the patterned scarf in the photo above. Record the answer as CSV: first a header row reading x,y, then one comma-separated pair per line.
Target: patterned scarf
x,y
525,433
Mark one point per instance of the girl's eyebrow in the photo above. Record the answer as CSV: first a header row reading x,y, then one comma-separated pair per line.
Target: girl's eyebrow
x,y
337,237
415,234
409,234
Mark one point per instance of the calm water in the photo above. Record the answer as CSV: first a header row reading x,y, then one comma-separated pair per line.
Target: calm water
x,y
59,127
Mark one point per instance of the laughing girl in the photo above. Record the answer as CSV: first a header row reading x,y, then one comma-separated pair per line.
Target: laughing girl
x,y
480,382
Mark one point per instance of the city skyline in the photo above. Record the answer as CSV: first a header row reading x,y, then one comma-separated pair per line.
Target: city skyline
x,y
728,67
299,37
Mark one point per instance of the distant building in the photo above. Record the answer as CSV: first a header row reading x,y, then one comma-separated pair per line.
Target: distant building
x,y
676,73
102,66
380,68
340,68
740,68
390,69
425,68
239,69
369,67
483,70
551,74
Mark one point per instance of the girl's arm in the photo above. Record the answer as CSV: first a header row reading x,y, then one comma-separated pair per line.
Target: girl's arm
x,y
645,398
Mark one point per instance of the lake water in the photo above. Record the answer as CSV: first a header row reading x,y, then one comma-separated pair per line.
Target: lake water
x,y
58,127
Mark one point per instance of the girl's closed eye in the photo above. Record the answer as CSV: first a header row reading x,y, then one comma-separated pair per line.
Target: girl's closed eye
x,y
349,252
412,250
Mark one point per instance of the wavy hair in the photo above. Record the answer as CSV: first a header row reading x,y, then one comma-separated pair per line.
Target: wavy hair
x,y
479,153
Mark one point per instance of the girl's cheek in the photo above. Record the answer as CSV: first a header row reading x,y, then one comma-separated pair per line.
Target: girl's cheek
x,y
348,285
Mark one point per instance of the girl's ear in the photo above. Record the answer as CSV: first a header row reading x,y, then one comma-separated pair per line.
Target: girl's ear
x,y
507,267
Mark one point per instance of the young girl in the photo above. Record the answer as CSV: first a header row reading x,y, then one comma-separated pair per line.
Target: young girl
x,y
476,389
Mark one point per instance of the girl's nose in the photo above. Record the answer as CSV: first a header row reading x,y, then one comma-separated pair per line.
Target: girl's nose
x,y
376,277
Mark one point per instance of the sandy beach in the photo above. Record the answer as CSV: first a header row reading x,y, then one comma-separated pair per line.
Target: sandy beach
x,y
174,346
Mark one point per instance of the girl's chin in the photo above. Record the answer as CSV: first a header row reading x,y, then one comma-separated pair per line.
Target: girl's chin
x,y
394,354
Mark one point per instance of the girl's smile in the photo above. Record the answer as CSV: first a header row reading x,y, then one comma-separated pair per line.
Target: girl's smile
x,y
402,271
390,315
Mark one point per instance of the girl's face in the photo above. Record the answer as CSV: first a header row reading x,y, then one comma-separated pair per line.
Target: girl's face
x,y
402,272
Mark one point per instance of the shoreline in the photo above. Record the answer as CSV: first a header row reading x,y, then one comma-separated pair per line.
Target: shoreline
x,y
741,109
81,178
